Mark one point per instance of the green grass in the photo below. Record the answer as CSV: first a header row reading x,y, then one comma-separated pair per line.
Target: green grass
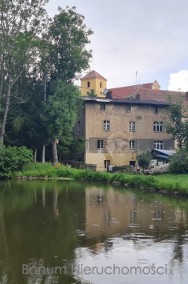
x,y
170,182
37,170
173,182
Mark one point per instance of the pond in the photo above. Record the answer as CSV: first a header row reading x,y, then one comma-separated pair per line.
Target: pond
x,y
68,232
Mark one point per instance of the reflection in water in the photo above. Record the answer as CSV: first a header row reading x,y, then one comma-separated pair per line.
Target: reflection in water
x,y
68,232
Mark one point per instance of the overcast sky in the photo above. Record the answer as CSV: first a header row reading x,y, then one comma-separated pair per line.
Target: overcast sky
x,y
144,37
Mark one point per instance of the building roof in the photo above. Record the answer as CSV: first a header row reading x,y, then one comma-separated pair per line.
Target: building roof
x,y
145,93
162,154
93,75
125,101
123,92
159,95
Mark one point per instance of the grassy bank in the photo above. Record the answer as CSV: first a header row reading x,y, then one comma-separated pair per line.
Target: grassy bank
x,y
167,183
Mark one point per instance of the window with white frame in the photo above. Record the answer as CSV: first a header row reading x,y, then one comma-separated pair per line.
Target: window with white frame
x,y
102,106
158,145
132,125
132,144
106,125
100,144
128,108
158,126
156,110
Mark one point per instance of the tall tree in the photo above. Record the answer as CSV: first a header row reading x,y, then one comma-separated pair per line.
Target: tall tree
x,y
178,125
61,112
24,125
68,38
45,73
21,21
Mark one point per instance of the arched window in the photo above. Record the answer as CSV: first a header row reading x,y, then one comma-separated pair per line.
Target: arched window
x,y
88,84
100,84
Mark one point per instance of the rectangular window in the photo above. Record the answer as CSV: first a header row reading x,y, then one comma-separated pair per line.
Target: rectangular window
x,y
100,144
158,145
128,108
132,144
106,125
156,110
106,164
102,107
132,125
157,126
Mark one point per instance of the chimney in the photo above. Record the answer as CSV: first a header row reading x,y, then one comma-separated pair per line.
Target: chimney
x,y
137,97
109,95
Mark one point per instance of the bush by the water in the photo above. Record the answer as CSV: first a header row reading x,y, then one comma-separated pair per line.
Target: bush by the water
x,y
144,160
13,159
179,162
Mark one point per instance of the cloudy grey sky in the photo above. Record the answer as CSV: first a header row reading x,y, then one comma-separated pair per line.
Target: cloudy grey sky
x,y
150,37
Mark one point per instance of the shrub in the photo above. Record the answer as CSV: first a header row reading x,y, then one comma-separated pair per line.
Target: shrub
x,y
179,162
13,159
144,160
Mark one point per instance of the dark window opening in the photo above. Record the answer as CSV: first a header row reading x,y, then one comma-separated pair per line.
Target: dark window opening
x,y
106,164
128,108
156,110
100,144
103,107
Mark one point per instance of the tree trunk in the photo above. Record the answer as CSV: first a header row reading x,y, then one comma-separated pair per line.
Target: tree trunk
x,y
35,155
7,103
54,151
44,197
3,236
44,146
55,203
43,153
2,77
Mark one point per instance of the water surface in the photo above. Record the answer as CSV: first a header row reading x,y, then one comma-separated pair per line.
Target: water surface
x,y
67,232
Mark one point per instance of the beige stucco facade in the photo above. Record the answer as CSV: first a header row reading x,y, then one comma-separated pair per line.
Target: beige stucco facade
x,y
117,124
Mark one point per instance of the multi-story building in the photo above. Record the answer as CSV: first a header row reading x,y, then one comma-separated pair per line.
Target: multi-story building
x,y
121,123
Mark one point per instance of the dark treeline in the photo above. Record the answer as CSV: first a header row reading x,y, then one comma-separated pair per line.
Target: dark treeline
x,y
40,59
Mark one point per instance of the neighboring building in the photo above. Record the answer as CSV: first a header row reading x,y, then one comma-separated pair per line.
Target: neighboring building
x,y
123,124
93,81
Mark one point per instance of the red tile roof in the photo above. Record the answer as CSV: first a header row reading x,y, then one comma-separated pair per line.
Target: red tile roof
x,y
93,75
141,91
123,92
145,93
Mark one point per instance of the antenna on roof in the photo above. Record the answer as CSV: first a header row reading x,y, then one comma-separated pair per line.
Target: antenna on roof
x,y
136,77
